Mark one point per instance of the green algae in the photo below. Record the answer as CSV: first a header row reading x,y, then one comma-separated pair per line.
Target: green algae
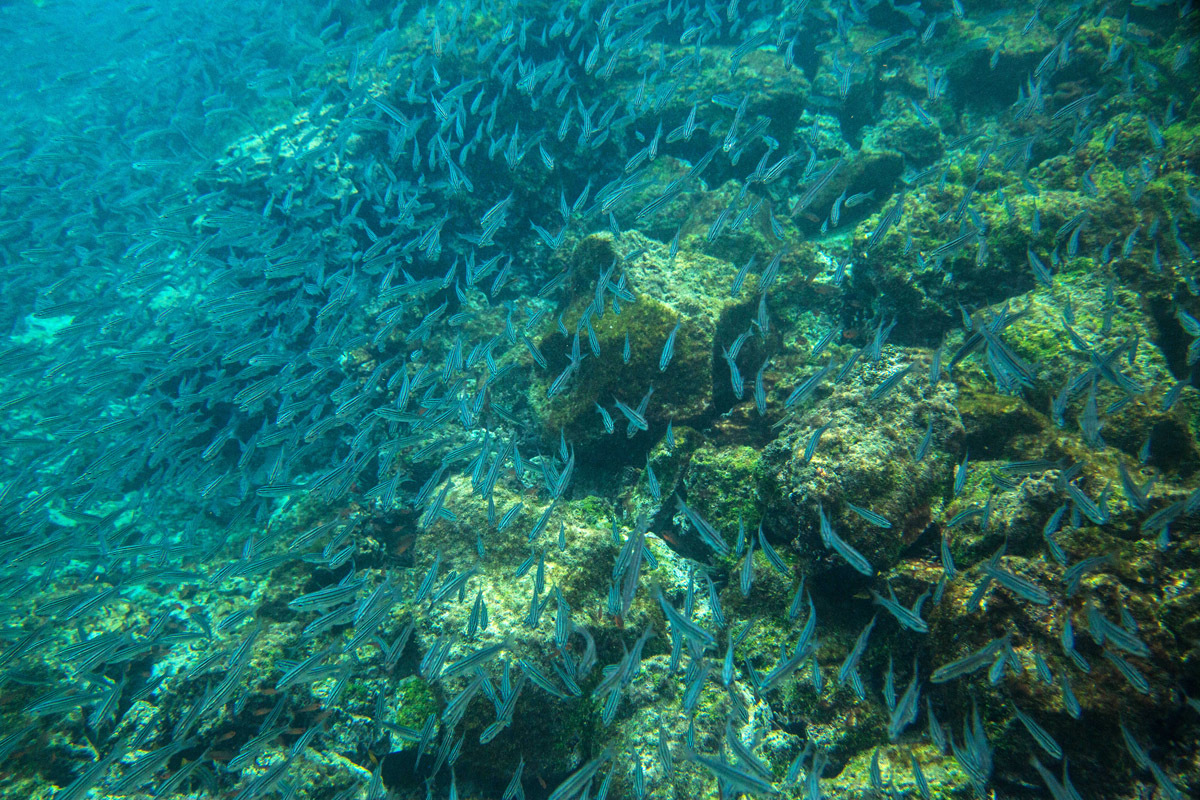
x,y
414,700
647,323
720,484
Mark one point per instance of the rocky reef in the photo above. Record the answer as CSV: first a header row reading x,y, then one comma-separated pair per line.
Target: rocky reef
x,y
626,400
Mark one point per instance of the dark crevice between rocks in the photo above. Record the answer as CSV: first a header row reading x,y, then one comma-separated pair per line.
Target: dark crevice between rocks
x,y
1171,449
401,773
857,112
737,320
1172,340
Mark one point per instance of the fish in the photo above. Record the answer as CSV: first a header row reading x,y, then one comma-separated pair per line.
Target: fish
x,y
708,534
735,776
834,542
908,618
1074,574
760,392
808,386
905,711
975,755
919,777
1022,587
1039,734
636,419
652,482
849,666
668,351
773,557
972,662
740,279
1131,673
329,346
605,417
870,516
684,626
815,188
788,664
577,782
923,446
814,438
960,474
890,382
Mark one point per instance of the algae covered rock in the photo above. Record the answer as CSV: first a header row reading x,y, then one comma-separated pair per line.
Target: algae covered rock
x,y
687,298
943,775
902,131
721,484
866,457
1085,320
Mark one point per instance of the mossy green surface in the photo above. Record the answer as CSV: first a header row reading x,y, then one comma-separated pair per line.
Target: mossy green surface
x,y
680,392
720,484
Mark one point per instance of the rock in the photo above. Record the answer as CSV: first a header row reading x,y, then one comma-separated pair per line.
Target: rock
x,y
692,290
866,457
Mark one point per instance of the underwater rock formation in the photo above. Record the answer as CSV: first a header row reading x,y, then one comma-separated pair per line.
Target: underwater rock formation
x,y
565,399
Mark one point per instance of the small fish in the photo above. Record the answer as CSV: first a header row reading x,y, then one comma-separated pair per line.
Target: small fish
x,y
835,212
1073,575
919,777
760,392
826,339
772,555
735,375
1088,507
839,545
948,560
737,777
578,780
814,438
1039,734
1043,669
936,731
742,274
636,420
668,350
1019,586
923,447
972,662
707,532
806,388
876,774
609,426
850,663
858,199
767,279
1070,702
746,577
960,474
870,516
1066,639
890,382
1040,271
652,482
908,618
684,626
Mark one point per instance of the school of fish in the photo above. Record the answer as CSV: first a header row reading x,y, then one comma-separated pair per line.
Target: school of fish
x,y
600,399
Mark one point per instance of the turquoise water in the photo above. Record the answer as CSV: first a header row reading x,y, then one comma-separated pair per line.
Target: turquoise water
x,y
563,400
